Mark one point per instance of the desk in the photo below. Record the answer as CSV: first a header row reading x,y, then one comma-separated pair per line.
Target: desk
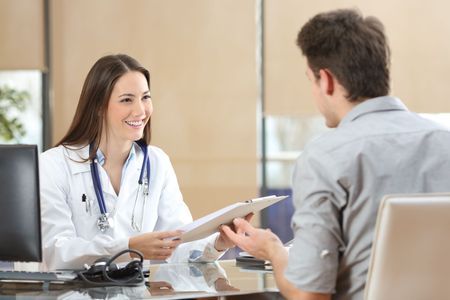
x,y
219,280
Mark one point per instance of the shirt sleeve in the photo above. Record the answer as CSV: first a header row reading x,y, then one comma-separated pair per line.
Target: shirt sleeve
x,y
318,199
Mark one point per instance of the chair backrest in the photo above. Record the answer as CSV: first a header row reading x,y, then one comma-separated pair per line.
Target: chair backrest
x,y
411,250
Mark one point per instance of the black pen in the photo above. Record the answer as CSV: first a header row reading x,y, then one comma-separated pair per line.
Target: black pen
x,y
83,199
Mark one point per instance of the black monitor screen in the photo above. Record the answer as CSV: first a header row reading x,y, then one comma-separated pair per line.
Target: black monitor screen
x,y
20,217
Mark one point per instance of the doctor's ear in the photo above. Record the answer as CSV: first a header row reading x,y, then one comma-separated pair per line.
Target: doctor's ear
x,y
326,81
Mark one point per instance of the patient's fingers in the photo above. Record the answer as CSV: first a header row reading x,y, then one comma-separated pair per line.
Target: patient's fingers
x,y
243,226
237,239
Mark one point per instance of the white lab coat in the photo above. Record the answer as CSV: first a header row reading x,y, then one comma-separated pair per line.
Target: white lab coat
x,y
69,231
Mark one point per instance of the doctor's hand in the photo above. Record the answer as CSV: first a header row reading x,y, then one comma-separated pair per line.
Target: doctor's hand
x,y
156,245
261,243
223,242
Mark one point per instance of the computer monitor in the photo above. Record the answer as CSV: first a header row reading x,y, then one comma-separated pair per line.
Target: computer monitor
x,y
20,216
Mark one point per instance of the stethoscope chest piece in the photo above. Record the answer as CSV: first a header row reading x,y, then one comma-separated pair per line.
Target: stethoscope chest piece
x,y
104,222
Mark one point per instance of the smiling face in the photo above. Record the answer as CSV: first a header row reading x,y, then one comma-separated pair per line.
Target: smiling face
x,y
129,110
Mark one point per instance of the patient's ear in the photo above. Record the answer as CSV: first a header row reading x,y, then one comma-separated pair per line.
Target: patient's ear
x,y
326,81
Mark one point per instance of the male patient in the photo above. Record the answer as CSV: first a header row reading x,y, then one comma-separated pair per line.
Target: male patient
x,y
378,147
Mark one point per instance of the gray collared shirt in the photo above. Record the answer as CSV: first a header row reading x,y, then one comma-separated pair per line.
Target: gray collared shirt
x,y
379,148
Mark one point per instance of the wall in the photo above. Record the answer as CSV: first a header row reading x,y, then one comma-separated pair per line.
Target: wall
x,y
21,35
418,35
201,55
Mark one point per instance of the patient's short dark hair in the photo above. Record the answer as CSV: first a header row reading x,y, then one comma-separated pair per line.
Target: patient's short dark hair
x,y
351,47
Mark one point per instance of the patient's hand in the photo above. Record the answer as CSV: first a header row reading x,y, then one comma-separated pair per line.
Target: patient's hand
x,y
261,243
223,242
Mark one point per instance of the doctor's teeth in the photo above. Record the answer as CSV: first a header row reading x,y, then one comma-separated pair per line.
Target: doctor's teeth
x,y
134,123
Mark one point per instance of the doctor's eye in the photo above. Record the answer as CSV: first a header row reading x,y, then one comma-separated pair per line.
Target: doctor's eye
x,y
126,100
146,98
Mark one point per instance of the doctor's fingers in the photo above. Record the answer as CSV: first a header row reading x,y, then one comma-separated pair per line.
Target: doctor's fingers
x,y
158,253
168,234
155,241
170,243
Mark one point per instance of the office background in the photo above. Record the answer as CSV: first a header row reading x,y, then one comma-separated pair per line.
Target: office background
x,y
232,103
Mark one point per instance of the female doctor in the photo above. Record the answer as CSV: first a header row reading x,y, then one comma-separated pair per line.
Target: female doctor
x,y
104,189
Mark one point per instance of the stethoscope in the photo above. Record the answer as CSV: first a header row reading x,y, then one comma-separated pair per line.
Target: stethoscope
x,y
104,221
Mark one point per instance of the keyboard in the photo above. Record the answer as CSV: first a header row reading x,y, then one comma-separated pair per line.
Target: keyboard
x,y
37,276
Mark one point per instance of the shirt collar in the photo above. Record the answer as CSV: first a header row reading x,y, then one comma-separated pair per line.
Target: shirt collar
x,y
131,156
76,156
385,103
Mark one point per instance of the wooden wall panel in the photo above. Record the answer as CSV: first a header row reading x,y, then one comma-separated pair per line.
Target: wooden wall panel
x,y
22,35
417,32
201,55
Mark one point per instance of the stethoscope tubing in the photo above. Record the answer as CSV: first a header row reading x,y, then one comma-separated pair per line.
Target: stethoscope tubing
x,y
96,177
98,187
145,163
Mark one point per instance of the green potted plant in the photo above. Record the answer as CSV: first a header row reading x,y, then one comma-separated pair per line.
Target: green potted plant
x,y
12,103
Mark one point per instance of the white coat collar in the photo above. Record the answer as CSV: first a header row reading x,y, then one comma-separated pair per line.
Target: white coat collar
x,y
76,156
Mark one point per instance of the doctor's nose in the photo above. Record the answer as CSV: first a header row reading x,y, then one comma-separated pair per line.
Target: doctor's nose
x,y
141,109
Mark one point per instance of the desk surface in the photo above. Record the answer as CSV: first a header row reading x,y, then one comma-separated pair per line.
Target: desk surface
x,y
222,279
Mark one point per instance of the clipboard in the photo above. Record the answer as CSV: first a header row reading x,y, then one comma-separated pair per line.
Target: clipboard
x,y
210,223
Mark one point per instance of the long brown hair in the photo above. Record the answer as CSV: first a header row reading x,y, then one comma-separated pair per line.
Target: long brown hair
x,y
87,124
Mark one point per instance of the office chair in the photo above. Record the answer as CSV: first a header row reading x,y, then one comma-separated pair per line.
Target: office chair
x,y
411,250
